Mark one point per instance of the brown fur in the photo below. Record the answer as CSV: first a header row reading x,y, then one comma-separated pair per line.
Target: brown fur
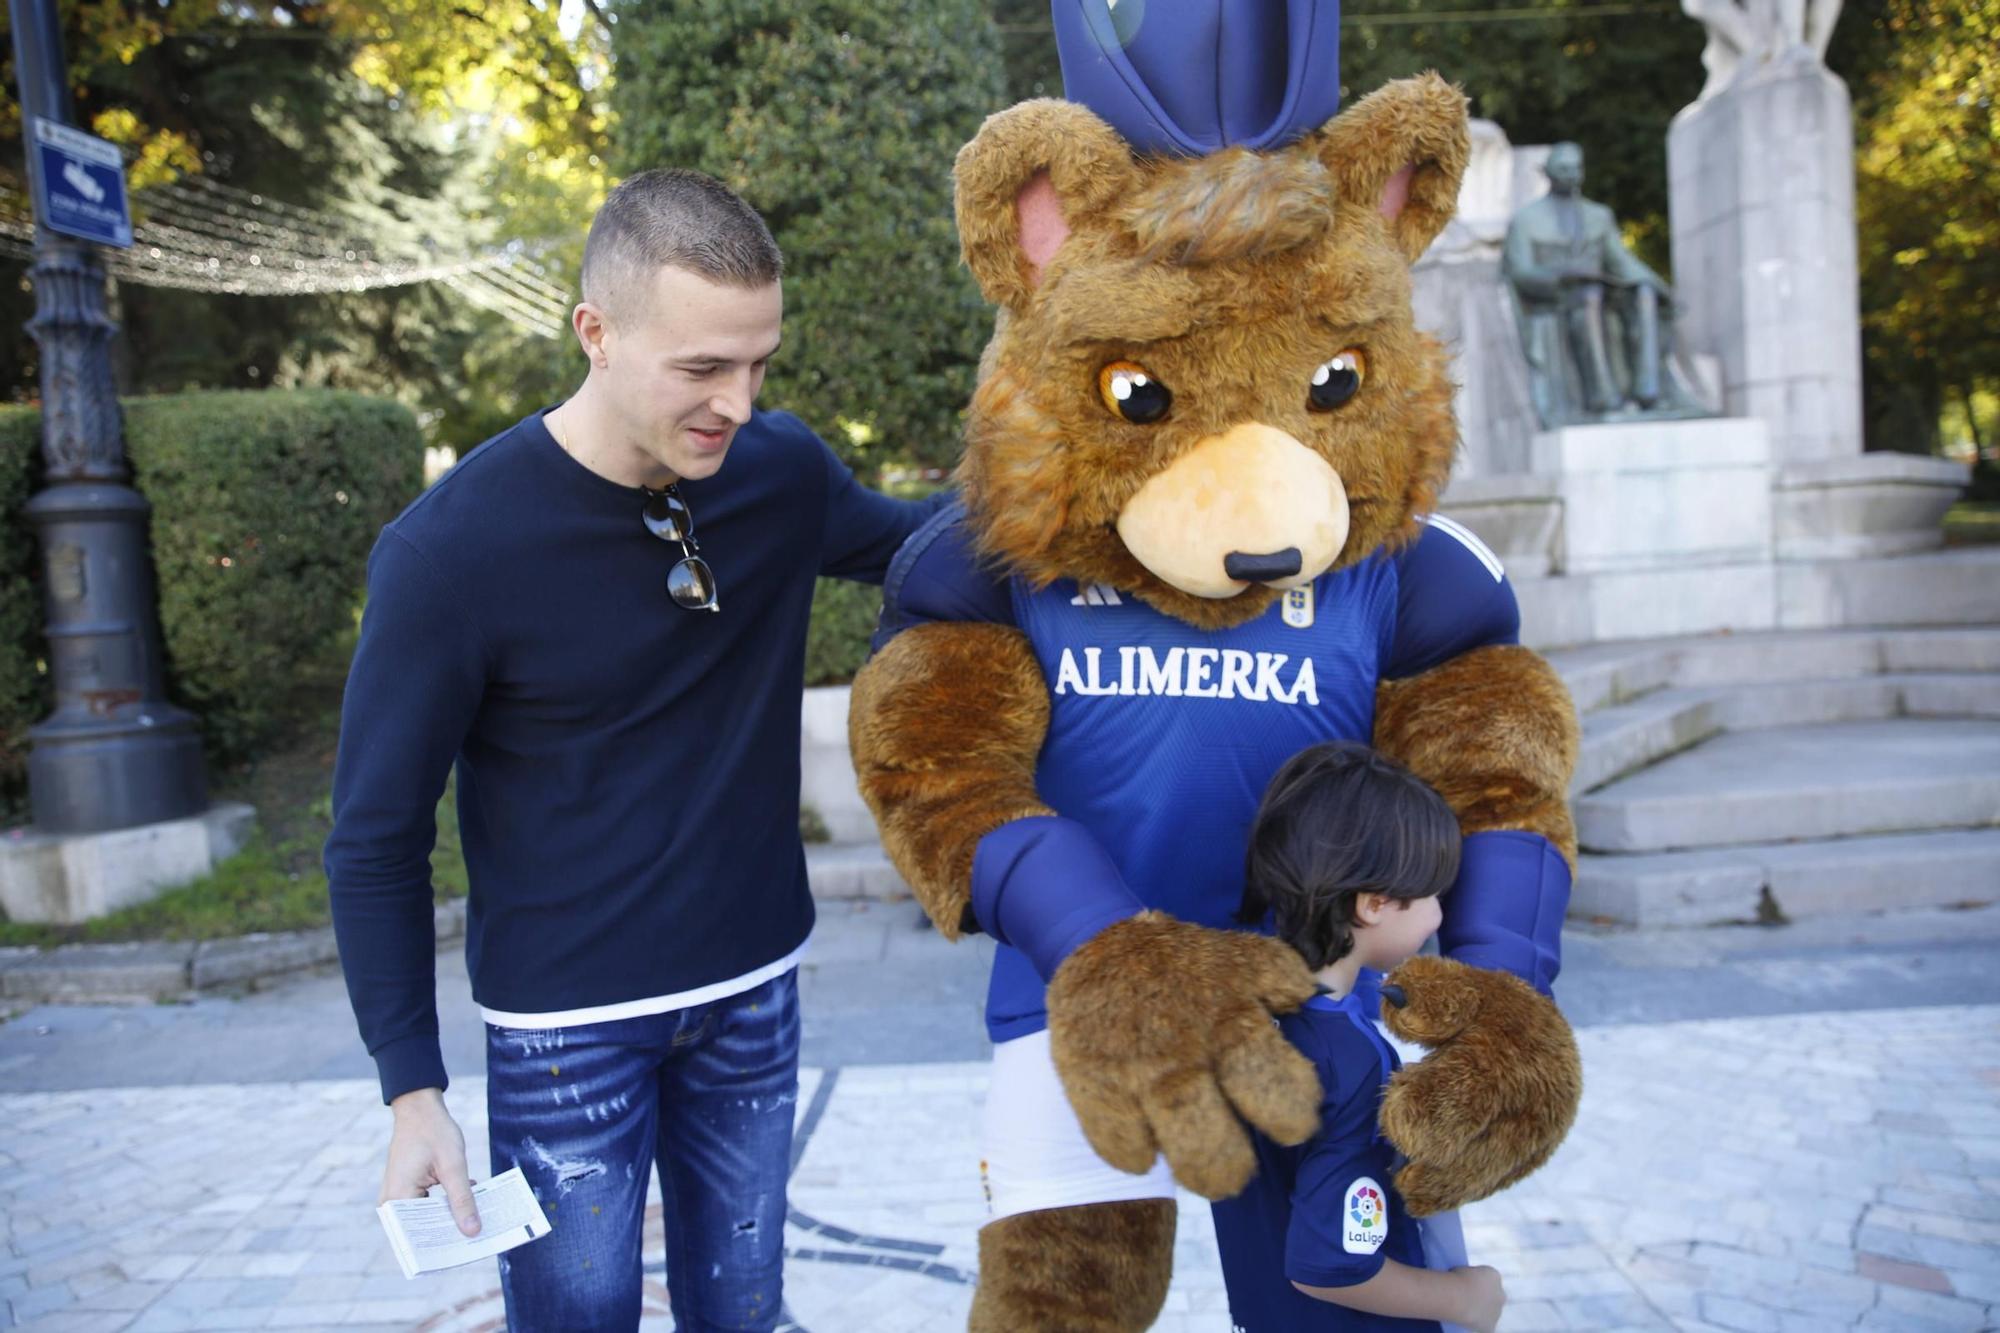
x,y
1229,279
1162,1034
1495,1096
944,726
1097,1269
1496,733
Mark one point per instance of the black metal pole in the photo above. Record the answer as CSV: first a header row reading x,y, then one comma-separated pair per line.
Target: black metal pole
x,y
114,754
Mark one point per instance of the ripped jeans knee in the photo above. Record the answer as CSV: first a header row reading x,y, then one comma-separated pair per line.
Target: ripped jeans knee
x,y
706,1095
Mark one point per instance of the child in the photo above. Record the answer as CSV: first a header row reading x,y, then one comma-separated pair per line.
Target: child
x,y
1348,855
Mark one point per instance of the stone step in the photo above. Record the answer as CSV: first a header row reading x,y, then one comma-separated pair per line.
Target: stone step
x,y
1769,881
850,870
1866,698
1835,780
1950,587
1625,738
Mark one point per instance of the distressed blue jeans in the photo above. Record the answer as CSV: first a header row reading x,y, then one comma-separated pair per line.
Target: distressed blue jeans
x,y
709,1093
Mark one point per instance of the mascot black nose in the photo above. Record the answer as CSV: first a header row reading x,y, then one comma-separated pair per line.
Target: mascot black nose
x,y
1394,996
1262,568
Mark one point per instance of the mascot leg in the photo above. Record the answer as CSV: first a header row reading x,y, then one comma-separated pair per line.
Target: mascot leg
x,y
1094,1268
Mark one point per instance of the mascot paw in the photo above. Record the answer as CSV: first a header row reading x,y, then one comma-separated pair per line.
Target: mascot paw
x,y
1161,1032
1496,1095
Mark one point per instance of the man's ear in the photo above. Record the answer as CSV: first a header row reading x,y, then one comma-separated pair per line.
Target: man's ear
x,y
593,330
1034,174
1404,146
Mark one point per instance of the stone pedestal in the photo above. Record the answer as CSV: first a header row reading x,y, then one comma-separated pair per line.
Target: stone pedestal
x,y
1874,504
67,878
1761,189
1660,495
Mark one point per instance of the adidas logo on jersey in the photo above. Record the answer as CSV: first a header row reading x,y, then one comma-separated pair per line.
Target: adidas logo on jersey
x,y
1191,673
1097,594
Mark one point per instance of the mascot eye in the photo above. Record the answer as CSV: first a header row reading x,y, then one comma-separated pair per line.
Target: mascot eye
x,y
1338,380
1131,392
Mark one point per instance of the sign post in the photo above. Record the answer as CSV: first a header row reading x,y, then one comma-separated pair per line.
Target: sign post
x,y
80,184
114,754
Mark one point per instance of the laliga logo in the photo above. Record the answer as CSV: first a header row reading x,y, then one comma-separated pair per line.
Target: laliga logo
x,y
1367,1218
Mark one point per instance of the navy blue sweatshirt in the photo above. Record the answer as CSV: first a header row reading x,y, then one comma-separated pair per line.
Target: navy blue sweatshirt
x,y
628,771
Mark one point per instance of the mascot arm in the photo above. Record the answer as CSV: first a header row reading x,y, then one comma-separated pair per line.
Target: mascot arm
x,y
946,722
1160,1030
1490,725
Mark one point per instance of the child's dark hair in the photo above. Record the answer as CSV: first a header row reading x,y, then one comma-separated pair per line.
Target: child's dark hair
x,y
1337,821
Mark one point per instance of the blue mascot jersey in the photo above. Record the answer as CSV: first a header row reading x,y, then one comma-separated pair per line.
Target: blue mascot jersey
x,y
1163,737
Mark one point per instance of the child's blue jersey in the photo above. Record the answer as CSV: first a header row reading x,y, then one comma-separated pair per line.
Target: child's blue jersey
x,y
1163,737
1326,1212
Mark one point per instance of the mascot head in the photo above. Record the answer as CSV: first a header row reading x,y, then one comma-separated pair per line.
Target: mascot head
x,y
1205,385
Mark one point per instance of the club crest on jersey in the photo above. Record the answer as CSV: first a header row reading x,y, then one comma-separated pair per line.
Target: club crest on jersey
x,y
1298,607
1365,1224
1190,673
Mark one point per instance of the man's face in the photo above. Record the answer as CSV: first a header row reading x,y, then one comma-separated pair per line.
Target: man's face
x,y
1565,168
686,364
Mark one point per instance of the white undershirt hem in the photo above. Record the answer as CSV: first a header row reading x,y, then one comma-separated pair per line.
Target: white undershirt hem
x,y
654,1004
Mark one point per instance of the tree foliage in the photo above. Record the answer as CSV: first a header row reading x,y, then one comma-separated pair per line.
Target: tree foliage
x,y
1928,194
838,120
425,126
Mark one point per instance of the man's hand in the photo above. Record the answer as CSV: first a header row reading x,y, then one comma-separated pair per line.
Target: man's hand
x,y
426,1149
1162,1034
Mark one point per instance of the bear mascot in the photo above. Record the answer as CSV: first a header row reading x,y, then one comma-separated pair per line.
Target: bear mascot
x,y
1195,534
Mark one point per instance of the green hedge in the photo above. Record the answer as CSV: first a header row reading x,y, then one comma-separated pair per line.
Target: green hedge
x,y
843,621
265,504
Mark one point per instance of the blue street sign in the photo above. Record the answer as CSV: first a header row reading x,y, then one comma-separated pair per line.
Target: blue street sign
x,y
80,185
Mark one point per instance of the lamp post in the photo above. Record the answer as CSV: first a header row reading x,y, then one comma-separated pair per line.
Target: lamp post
x,y
114,754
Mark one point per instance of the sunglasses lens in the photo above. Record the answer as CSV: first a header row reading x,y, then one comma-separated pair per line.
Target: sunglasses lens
x,y
691,584
668,518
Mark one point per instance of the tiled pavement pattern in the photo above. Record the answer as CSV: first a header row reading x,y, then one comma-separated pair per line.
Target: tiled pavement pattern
x,y
1804,1172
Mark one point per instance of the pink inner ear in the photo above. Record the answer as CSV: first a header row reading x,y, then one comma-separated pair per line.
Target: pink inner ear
x,y
1396,193
1042,228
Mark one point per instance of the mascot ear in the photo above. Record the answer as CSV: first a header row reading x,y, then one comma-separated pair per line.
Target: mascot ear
x,y
1034,174
1404,146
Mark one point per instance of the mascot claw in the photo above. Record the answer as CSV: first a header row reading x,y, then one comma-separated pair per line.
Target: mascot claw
x,y
1495,1096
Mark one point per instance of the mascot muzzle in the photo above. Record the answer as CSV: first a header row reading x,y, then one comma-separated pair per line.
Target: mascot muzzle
x,y
1249,506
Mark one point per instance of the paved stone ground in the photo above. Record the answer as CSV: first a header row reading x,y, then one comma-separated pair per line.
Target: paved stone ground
x,y
1782,1130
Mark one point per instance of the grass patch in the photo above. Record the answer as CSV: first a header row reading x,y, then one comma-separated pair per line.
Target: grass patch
x,y
1972,521
275,883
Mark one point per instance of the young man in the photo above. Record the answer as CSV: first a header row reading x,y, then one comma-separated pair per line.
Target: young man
x,y
599,616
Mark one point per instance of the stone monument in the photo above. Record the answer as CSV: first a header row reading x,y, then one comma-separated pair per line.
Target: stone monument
x,y
1639,524
1761,185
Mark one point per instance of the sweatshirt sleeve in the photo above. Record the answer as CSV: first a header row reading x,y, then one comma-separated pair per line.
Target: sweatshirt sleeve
x,y
418,675
863,527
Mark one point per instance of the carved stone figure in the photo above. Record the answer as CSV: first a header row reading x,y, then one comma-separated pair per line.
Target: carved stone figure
x,y
1596,323
1746,34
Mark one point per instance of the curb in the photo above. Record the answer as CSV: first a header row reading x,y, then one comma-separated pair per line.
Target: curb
x,y
157,971
168,970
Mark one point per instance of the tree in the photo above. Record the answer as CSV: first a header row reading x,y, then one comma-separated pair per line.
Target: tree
x,y
1928,176
838,120
415,122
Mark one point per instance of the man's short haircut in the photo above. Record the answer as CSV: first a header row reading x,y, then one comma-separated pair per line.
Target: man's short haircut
x,y
1340,820
671,218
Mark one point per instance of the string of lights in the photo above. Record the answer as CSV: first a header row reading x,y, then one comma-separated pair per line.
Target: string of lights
x,y
198,234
